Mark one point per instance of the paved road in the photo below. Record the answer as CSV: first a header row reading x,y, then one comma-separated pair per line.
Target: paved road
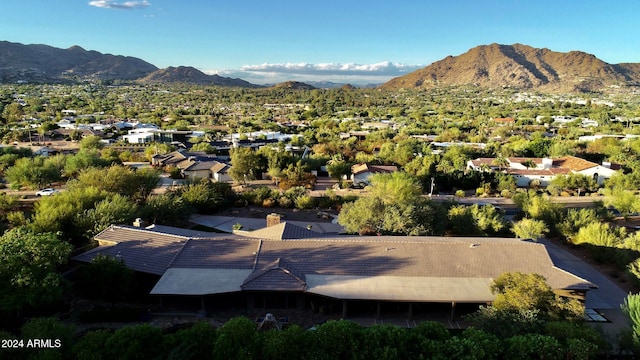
x,y
608,295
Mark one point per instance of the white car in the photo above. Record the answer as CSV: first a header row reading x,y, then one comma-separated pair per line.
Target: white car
x,y
46,192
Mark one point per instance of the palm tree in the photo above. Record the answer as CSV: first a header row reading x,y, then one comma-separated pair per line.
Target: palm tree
x,y
501,162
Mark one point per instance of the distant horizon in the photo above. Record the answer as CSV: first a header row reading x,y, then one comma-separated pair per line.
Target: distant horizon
x,y
336,41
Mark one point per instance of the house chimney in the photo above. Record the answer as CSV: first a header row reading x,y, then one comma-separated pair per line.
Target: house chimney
x,y
547,163
606,164
273,219
138,222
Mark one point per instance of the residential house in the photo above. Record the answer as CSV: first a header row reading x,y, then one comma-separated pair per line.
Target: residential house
x,y
194,165
292,266
214,170
508,121
150,134
543,170
360,173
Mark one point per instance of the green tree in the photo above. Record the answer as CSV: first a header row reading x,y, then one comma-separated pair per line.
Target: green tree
x,y
12,112
32,172
120,180
237,339
135,342
193,343
165,209
600,234
338,168
28,269
91,142
625,201
202,195
475,220
106,278
529,229
539,208
576,219
518,292
631,308
91,346
245,164
58,213
115,209
48,328
204,147
533,346
364,216
338,339
396,187
84,159
575,182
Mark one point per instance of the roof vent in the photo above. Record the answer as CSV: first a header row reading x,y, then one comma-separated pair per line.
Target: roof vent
x,y
474,245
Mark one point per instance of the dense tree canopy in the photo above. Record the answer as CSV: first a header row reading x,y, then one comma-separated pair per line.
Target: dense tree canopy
x,y
29,264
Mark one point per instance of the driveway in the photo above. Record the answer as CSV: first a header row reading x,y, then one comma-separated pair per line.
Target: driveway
x,y
606,299
608,295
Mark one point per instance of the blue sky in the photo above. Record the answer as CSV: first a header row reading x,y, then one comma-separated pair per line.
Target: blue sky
x,y
336,40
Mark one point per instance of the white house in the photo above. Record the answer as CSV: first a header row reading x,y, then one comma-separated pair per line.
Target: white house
x,y
525,170
139,136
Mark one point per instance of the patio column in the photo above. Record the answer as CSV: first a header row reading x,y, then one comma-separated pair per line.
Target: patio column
x,y
453,309
344,309
410,315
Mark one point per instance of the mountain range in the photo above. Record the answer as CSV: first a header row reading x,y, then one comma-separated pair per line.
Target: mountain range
x,y
524,67
493,66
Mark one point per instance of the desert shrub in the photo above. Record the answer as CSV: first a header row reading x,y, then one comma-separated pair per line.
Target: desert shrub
x,y
506,193
305,202
285,202
270,202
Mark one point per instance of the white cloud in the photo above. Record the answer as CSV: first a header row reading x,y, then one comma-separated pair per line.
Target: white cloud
x,y
385,68
357,74
127,5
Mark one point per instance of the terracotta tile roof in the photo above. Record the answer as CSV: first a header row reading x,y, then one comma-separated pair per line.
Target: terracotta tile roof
x,y
573,163
483,161
362,168
540,172
521,160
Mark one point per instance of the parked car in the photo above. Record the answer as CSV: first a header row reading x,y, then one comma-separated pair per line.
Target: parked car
x,y
46,192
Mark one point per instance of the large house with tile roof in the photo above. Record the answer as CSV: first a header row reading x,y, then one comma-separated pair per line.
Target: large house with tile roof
x,y
302,266
361,173
194,165
525,170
